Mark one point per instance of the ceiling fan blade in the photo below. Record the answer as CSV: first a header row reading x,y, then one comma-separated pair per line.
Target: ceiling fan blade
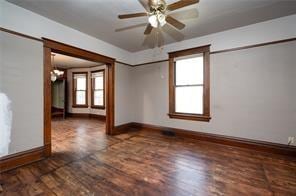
x,y
130,27
148,41
174,22
172,32
148,29
124,16
181,4
185,14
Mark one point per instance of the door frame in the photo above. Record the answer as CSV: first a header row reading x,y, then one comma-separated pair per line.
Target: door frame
x,y
62,48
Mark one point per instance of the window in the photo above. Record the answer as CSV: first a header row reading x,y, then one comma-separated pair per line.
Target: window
x,y
98,89
80,89
189,81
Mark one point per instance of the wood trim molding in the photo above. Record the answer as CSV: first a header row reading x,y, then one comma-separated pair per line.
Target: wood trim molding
x,y
73,51
124,128
22,158
190,117
159,61
153,62
74,105
92,82
254,45
58,47
205,116
47,99
257,145
20,34
190,51
87,115
119,62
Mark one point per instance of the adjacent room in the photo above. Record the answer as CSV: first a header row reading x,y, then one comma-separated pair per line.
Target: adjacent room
x,y
148,97
78,104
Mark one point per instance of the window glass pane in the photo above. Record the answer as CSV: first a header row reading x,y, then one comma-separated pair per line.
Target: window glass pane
x,y
189,71
99,82
81,83
80,97
189,99
98,97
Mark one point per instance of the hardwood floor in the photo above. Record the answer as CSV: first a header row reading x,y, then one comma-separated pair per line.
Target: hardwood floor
x,y
87,162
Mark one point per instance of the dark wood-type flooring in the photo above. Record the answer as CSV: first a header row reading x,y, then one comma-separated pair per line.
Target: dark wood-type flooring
x,y
87,162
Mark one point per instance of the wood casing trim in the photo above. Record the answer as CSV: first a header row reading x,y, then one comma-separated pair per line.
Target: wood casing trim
x,y
256,145
205,50
102,107
22,158
74,105
58,47
73,51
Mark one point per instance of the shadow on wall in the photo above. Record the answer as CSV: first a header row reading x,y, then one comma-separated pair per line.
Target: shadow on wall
x,y
5,124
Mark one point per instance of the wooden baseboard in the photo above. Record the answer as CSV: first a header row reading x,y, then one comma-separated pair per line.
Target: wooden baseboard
x,y
22,158
124,128
220,139
83,115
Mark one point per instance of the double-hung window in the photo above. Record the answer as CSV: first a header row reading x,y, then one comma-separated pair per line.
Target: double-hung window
x,y
189,81
98,89
80,89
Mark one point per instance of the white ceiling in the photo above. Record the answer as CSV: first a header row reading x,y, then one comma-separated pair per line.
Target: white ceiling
x,y
98,18
66,62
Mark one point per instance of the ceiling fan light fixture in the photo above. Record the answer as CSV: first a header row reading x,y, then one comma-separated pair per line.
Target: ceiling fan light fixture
x,y
161,19
153,20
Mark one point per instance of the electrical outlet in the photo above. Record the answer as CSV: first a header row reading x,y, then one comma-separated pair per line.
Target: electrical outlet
x,y
291,140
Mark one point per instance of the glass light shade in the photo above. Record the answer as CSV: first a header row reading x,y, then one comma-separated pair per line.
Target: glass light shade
x,y
153,21
161,19
53,77
58,72
61,73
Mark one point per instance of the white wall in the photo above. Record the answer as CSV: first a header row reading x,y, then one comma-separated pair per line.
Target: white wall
x,y
252,94
24,21
124,106
272,30
88,110
21,79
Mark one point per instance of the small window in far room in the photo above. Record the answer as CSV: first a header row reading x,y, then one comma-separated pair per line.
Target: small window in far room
x,y
98,89
189,84
80,89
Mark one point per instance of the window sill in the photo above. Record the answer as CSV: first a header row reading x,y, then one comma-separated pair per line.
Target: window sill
x,y
79,106
190,117
98,107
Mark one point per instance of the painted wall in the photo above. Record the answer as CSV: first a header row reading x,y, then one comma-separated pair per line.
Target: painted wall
x,y
252,94
88,110
21,79
124,106
272,30
24,21
58,94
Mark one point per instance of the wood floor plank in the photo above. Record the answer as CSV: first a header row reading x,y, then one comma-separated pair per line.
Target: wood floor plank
x,y
86,161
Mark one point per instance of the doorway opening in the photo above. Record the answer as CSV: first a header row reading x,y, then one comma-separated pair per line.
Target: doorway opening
x,y
78,92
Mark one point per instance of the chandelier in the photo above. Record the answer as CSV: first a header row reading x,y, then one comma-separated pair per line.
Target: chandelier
x,y
55,73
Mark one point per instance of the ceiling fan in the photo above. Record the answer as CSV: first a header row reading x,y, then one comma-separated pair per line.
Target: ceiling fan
x,y
158,13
